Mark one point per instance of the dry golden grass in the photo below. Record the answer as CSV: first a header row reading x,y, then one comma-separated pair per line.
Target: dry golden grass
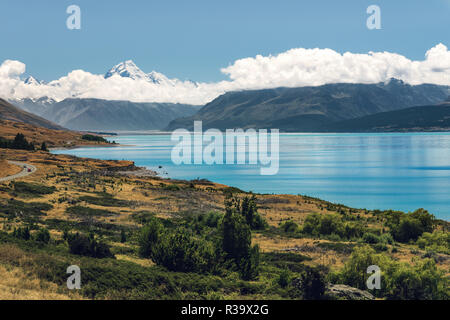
x,y
53,138
16,283
8,169
139,261
303,246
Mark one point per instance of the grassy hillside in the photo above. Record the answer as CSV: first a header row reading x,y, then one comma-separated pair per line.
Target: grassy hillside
x,y
38,135
150,238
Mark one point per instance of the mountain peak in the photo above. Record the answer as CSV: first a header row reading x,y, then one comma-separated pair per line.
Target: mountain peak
x,y
32,81
127,69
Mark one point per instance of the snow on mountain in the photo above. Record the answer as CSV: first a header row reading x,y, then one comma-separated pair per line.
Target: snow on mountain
x,y
32,81
128,69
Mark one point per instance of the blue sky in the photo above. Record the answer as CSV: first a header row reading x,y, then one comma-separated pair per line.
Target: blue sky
x,y
194,39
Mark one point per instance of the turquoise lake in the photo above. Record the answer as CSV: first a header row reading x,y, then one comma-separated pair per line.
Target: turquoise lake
x,y
401,171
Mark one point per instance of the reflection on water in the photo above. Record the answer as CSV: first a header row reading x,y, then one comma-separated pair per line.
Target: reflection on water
x,y
375,171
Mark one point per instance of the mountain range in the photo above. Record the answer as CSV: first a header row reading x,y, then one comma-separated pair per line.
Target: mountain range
x,y
309,109
304,109
107,115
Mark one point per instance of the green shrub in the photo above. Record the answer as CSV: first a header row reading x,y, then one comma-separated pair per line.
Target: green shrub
x,y
177,251
310,285
438,241
284,278
399,280
236,235
212,219
91,137
105,201
289,226
88,246
22,233
410,226
31,188
19,142
249,264
248,209
149,237
370,238
15,208
331,224
43,235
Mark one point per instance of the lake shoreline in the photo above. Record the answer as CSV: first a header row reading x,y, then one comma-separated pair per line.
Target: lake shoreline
x,y
351,167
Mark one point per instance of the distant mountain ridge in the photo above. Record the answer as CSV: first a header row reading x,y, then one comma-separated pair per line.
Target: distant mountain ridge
x,y
107,115
12,113
310,108
434,118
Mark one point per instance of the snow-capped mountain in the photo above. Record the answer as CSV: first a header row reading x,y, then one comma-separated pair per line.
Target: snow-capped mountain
x,y
128,69
32,81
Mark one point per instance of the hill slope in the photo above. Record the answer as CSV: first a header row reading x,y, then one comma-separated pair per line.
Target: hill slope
x,y
12,113
424,118
309,108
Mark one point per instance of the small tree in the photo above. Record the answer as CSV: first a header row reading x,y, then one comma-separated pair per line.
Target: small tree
x,y
123,236
44,147
249,264
43,236
237,239
149,237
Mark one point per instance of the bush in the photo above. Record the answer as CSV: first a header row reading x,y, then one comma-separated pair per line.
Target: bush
x,y
19,142
331,224
22,233
248,209
44,147
399,280
370,238
236,235
289,226
249,264
212,219
284,278
32,189
407,227
149,237
437,241
177,251
88,246
310,285
43,236
91,137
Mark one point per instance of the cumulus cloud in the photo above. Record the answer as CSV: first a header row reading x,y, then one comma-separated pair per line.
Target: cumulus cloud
x,y
313,67
293,68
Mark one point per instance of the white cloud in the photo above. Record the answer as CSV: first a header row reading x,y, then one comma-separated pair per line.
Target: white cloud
x,y
304,67
293,68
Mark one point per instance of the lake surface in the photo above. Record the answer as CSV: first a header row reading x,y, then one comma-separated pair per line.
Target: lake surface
x,y
401,171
